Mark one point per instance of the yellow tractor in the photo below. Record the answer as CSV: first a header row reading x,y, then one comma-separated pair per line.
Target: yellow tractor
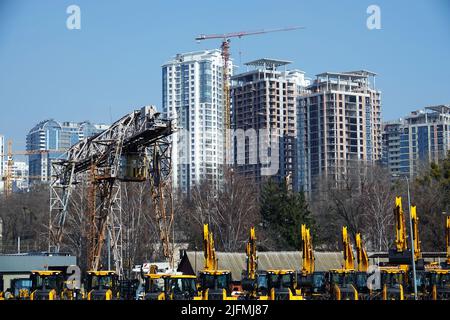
x,y
394,280
180,287
281,285
439,284
342,281
254,281
215,284
46,285
102,285
311,283
154,287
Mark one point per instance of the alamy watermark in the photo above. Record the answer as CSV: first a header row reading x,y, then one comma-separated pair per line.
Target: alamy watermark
x,y
374,278
73,21
374,19
244,147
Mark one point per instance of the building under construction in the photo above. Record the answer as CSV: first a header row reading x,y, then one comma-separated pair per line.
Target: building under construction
x,y
265,108
339,125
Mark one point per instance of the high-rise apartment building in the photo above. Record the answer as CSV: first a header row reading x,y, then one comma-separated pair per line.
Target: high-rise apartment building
x,y
264,120
192,95
2,159
411,143
339,123
49,139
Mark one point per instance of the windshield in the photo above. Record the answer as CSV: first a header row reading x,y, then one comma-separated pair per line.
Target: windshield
x,y
262,281
342,279
21,284
318,280
47,282
393,279
216,281
443,280
102,282
182,285
154,285
281,280
361,280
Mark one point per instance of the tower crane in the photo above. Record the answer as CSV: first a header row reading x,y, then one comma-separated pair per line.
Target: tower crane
x,y
225,48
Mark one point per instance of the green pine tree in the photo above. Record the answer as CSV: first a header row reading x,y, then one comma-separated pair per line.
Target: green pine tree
x,y
283,212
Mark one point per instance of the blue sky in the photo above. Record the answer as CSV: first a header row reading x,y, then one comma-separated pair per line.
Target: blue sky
x,y
113,64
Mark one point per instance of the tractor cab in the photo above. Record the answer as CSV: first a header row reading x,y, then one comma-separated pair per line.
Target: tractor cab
x,y
180,287
393,282
154,287
102,285
216,285
364,291
341,284
439,281
282,284
21,288
46,284
313,285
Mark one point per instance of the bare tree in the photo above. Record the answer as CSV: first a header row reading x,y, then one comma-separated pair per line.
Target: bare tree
x,y
360,197
231,211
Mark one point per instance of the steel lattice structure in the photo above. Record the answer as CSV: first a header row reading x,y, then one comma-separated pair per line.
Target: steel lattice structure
x,y
135,148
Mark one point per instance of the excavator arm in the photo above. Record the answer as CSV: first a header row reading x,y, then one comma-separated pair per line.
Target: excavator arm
x,y
447,238
415,223
400,238
209,250
361,255
308,253
349,259
252,262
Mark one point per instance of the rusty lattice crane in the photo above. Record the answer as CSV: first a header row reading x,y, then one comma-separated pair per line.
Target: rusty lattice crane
x,y
133,149
225,48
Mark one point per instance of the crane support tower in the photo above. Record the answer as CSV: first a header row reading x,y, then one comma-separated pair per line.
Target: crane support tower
x,y
134,149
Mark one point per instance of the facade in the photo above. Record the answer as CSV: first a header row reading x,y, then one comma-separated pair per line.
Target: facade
x,y
2,159
192,96
411,143
263,112
339,123
20,176
49,139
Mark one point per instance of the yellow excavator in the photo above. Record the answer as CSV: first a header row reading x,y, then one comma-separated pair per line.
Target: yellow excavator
x,y
281,284
102,285
363,266
160,286
254,281
215,284
154,285
46,285
394,276
439,276
341,281
311,283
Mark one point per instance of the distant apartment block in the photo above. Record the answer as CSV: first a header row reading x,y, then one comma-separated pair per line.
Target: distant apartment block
x,y
339,123
192,95
49,139
411,143
264,118
19,176
2,159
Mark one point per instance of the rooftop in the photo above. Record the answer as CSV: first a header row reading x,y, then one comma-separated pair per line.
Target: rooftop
x,y
348,74
268,63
